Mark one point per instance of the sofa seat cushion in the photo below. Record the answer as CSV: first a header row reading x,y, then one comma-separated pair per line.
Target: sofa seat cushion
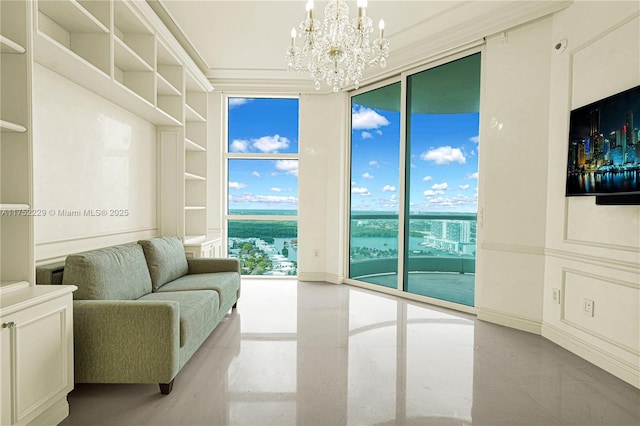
x,y
112,273
165,258
197,310
225,283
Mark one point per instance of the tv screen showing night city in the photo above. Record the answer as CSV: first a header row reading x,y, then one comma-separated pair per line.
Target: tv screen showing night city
x,y
604,153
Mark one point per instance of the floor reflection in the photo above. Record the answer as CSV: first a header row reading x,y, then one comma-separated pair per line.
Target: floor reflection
x,y
320,354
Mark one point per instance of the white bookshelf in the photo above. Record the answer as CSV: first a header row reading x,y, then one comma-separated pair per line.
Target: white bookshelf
x,y
120,50
16,193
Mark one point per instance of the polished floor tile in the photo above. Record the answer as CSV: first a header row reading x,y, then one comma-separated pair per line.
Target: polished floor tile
x,y
297,353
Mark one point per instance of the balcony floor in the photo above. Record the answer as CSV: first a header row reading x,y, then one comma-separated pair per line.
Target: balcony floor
x,y
450,286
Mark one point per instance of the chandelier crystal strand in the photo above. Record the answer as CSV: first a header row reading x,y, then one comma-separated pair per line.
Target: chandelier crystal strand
x,y
338,51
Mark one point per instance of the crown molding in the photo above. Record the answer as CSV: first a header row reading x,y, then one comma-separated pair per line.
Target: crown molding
x,y
431,44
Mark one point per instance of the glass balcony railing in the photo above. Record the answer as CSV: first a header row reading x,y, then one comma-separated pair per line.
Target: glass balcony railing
x,y
437,243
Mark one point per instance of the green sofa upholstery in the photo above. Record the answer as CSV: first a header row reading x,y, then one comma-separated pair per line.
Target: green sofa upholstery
x,y
143,309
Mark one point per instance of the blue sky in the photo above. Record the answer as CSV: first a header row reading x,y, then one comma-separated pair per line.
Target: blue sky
x,y
443,171
263,126
444,161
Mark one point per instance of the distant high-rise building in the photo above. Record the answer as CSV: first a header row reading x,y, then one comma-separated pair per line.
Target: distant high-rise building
x,y
582,157
628,126
613,139
623,141
595,122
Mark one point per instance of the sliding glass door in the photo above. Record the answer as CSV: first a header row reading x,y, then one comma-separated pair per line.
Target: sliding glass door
x,y
442,183
375,177
427,231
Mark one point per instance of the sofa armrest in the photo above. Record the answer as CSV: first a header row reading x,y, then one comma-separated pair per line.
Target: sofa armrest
x,y
126,341
203,265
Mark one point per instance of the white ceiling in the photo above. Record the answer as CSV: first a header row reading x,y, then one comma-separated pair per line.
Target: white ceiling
x,y
242,43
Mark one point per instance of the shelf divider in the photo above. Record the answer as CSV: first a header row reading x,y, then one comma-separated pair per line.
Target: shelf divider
x,y
10,46
8,126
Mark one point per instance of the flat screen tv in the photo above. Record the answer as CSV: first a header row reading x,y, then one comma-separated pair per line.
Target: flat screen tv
x,y
604,154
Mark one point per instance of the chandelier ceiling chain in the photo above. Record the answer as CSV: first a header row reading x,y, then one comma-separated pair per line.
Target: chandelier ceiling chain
x,y
338,51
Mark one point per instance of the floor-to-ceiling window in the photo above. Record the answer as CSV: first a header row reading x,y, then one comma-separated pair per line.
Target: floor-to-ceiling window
x,y
375,177
262,184
433,220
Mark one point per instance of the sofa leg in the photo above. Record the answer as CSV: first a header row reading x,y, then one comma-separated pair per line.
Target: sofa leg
x,y
235,305
166,388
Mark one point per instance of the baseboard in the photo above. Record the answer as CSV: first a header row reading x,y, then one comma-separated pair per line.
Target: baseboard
x,y
53,415
318,276
510,320
618,367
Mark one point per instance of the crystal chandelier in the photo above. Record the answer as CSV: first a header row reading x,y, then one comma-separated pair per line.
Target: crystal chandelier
x,y
337,51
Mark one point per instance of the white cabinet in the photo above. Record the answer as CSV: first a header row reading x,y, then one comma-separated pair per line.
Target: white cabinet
x,y
36,346
204,248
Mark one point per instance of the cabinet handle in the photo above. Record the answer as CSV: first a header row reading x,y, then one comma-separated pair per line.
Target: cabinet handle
x,y
9,324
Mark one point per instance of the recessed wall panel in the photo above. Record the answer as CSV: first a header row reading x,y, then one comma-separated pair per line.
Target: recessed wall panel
x,y
616,308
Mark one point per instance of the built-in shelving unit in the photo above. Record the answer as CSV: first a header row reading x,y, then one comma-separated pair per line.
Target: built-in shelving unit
x,y
113,48
195,143
16,223
120,50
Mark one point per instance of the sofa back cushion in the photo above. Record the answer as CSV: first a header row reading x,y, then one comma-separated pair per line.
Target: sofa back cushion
x,y
165,258
111,273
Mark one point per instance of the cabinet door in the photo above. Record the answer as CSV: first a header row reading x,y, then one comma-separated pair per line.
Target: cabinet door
x,y
37,359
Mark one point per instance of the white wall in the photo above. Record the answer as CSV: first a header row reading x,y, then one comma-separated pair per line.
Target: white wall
x,y
513,176
322,187
89,155
592,251
531,238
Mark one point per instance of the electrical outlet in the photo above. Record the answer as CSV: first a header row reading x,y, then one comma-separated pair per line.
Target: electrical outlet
x,y
316,253
556,295
588,307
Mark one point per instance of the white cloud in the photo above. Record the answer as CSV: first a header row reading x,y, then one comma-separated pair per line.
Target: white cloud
x,y
368,176
264,199
457,202
362,191
390,203
431,192
440,186
427,178
255,173
365,118
464,187
276,189
473,176
366,135
474,139
374,163
236,102
378,132
388,188
237,185
270,143
289,167
239,145
444,155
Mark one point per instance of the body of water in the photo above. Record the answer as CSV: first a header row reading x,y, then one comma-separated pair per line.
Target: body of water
x,y
383,243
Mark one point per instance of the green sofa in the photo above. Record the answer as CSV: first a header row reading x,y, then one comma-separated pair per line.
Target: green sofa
x,y
142,310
